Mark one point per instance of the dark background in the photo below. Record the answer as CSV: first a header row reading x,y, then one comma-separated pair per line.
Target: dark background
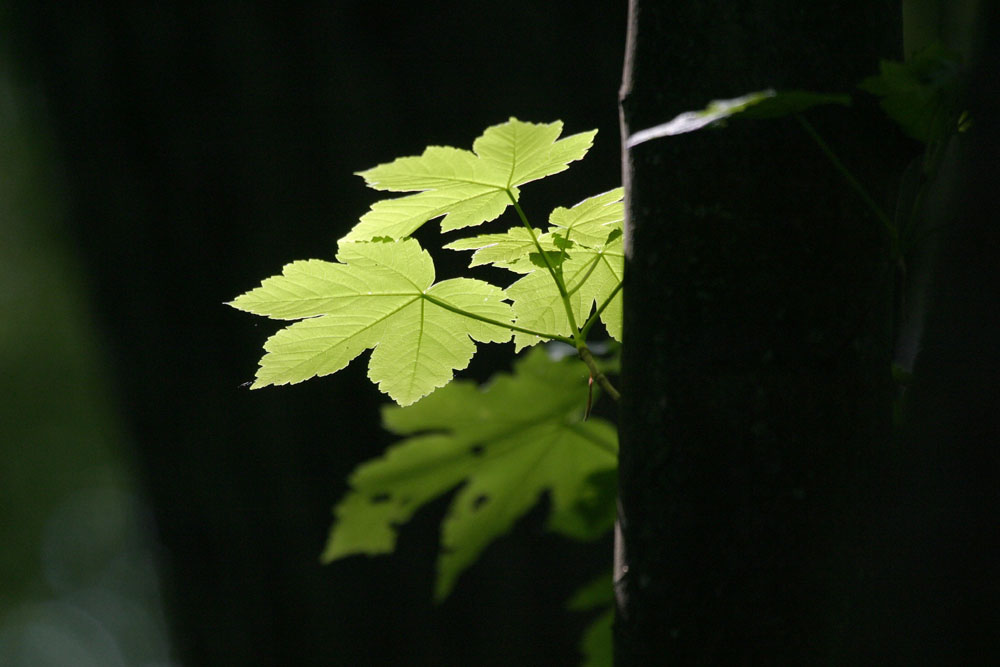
x,y
198,149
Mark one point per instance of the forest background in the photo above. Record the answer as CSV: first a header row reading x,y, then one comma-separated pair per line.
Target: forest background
x,y
158,159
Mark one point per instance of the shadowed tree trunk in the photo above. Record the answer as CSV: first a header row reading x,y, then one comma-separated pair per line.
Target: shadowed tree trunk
x,y
758,309
944,506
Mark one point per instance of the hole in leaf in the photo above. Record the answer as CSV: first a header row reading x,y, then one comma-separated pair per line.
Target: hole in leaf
x,y
479,502
478,450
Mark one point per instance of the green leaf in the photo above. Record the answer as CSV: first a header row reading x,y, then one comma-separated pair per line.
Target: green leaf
x,y
596,643
592,268
506,445
591,275
596,593
466,187
589,222
510,250
381,296
791,102
917,94
761,104
551,258
595,512
562,242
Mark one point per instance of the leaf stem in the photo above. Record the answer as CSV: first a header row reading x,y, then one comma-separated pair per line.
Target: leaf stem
x,y
487,320
552,272
598,376
579,335
852,181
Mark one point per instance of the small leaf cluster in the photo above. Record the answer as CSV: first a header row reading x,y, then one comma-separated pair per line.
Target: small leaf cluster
x,y
381,294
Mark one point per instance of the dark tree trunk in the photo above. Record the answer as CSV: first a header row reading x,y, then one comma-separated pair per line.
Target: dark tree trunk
x,y
758,316
944,509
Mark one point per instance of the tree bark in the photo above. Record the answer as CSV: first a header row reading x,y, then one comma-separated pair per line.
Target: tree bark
x,y
756,379
940,520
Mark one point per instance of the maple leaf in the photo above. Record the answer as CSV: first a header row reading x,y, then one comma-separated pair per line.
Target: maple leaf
x,y
505,445
380,296
920,94
509,250
591,266
591,221
466,187
592,275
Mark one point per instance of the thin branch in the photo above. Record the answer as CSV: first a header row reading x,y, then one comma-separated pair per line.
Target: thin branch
x,y
851,180
598,376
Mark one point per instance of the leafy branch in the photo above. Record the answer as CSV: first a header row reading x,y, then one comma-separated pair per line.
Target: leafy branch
x,y
381,294
556,277
526,433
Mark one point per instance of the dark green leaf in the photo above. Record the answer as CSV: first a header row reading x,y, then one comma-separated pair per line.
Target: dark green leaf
x,y
596,593
760,104
504,446
596,643
792,102
917,94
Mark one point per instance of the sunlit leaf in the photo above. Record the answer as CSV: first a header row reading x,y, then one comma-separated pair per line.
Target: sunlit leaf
x,y
591,264
510,250
591,274
589,222
380,296
466,187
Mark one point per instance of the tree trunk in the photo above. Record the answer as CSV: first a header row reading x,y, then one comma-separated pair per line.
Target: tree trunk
x,y
757,388
941,517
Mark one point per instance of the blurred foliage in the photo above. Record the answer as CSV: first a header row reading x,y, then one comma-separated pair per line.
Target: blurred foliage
x,y
79,584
